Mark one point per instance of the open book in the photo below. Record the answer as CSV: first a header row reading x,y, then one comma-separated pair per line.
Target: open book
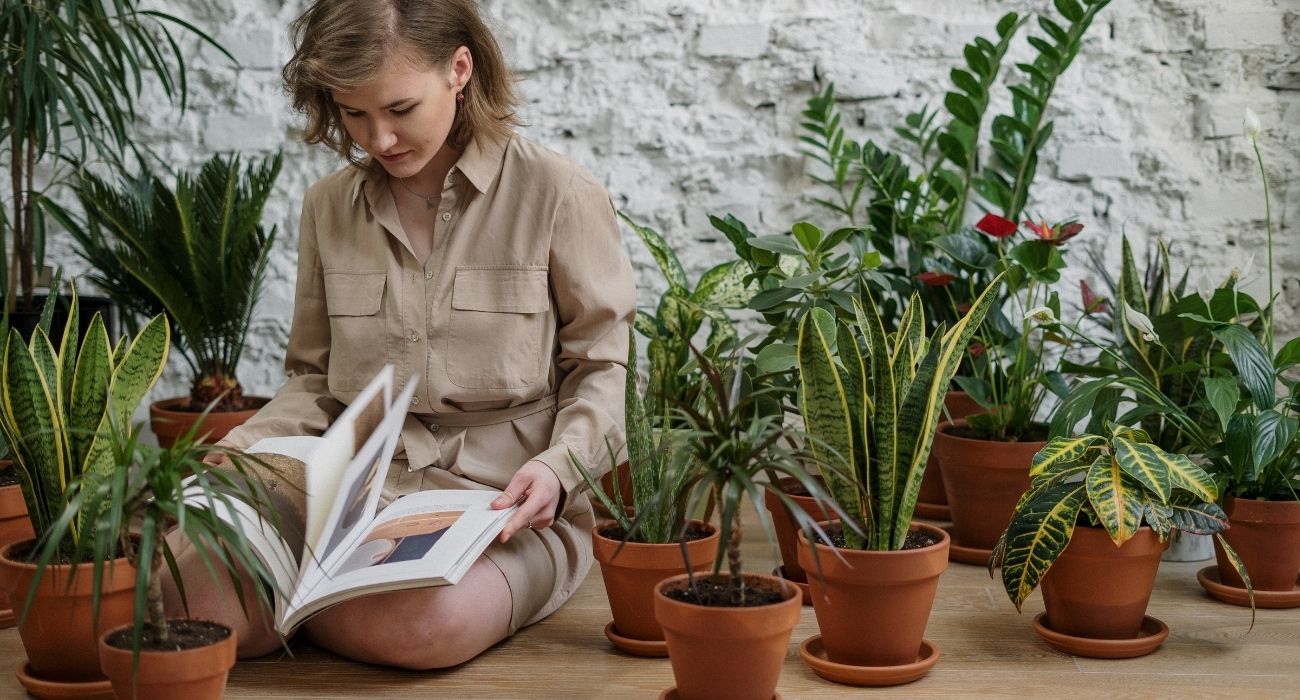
x,y
351,548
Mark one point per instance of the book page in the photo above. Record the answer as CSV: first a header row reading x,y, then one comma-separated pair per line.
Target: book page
x,y
428,538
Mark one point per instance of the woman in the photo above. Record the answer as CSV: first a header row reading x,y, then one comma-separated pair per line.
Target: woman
x,y
489,267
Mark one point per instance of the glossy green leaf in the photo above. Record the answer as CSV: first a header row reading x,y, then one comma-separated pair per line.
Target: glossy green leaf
x,y
1253,363
1223,395
1117,503
784,245
1272,436
1061,451
1037,536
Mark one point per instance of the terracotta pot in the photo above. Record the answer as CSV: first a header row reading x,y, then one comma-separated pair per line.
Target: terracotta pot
x,y
983,480
631,574
193,674
14,527
59,634
607,485
889,592
932,501
168,422
722,653
1099,591
786,527
1266,535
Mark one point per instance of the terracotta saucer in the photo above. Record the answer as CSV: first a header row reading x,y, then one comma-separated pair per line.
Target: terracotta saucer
x,y
966,555
1210,581
671,694
1150,637
801,585
637,647
814,654
52,690
933,511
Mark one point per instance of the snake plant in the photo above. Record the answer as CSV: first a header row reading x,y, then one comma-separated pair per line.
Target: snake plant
x,y
1118,481
57,408
871,402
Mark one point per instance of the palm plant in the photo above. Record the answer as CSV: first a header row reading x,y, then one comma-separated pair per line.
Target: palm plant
x,y
58,406
872,402
197,252
77,64
1118,481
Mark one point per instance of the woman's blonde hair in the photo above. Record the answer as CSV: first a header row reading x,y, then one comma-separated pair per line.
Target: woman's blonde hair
x,y
341,45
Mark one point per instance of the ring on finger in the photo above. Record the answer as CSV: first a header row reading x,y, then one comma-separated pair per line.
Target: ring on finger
x,y
507,494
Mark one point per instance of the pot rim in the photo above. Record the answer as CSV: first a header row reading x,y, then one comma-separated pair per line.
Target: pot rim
x,y
783,585
103,639
942,429
914,525
28,566
595,533
164,406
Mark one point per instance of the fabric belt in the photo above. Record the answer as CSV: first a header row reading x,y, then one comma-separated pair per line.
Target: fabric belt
x,y
471,419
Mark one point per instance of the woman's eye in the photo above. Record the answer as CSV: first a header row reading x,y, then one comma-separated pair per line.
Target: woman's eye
x,y
350,113
405,110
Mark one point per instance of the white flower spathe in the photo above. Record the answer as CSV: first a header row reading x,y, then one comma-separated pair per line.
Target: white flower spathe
x,y
1041,315
1251,124
1141,323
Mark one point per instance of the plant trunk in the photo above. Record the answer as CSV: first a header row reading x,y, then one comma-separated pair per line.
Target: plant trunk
x,y
16,188
216,385
733,561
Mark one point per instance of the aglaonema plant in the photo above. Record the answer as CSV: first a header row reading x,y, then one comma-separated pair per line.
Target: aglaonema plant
x,y
1119,481
871,401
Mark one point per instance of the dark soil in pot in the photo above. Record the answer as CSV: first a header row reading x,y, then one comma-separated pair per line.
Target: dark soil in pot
x,y
717,593
182,635
617,533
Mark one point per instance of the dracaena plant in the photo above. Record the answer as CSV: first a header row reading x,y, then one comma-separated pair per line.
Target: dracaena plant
x,y
871,401
57,406
730,442
678,317
1119,481
650,457
197,252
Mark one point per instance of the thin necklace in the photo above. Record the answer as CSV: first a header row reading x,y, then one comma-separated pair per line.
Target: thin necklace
x,y
428,198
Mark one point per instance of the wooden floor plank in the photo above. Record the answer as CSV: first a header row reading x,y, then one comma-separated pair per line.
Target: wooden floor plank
x,y
988,650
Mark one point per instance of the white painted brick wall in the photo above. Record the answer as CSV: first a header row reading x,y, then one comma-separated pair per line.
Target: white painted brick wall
x,y
684,109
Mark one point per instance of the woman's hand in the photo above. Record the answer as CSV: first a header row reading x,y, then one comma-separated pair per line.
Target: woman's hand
x,y
537,490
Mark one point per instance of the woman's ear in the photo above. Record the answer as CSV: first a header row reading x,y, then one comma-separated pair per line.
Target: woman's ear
x,y
462,67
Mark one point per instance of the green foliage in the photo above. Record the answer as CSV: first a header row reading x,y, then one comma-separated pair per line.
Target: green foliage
x,y
679,316
729,440
74,68
650,457
59,406
871,401
1119,481
197,252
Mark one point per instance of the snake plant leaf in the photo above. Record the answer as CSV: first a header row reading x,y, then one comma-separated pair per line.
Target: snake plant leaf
x,y
826,412
1062,451
89,389
1199,518
909,343
1118,505
29,410
1037,538
884,423
48,365
132,379
1145,463
67,347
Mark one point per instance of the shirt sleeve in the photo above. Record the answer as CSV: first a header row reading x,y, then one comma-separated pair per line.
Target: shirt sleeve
x,y
304,405
595,299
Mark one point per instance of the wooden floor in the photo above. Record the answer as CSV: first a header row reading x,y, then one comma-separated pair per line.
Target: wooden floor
x,y
988,650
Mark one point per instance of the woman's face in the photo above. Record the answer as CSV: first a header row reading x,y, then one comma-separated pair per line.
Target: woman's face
x,y
403,117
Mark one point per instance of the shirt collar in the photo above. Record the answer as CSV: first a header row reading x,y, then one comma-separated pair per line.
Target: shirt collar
x,y
480,162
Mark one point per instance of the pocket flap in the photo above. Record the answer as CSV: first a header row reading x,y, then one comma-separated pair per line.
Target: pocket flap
x,y
501,289
354,293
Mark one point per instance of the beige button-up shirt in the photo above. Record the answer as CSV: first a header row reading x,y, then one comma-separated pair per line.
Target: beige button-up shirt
x,y
520,314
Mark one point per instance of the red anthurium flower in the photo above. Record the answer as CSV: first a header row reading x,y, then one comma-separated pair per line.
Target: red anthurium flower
x,y
936,279
996,226
1091,302
975,349
1055,235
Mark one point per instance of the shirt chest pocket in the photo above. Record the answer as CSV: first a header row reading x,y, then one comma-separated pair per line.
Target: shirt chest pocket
x,y
498,317
354,301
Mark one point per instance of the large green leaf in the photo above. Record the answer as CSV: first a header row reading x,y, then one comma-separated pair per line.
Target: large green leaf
x,y
29,412
1223,394
1199,518
90,379
1254,366
724,287
1272,436
1060,452
132,379
1145,463
1037,536
826,413
1117,503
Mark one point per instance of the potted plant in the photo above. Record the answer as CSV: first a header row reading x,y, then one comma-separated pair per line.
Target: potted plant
x,y
73,73
871,402
1091,529
14,524
150,490
727,633
58,406
196,252
639,546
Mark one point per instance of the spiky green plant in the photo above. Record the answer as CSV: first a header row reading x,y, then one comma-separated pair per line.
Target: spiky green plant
x,y
1118,481
872,401
56,408
197,252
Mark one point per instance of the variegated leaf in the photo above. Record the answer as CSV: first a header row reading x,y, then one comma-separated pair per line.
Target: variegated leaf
x,y
1199,518
89,381
132,379
1038,536
886,430
1061,452
724,287
1160,517
1146,464
1116,502
30,411
826,414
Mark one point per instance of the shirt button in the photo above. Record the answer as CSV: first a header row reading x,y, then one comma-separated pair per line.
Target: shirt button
x,y
413,337
446,216
415,401
428,275
433,427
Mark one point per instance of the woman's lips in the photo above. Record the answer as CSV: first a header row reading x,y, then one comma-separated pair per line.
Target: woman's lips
x,y
394,158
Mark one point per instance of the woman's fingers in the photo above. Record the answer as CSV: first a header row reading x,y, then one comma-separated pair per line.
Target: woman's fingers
x,y
538,494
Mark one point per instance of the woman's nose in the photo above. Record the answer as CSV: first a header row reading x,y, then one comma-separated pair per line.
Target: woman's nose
x,y
383,137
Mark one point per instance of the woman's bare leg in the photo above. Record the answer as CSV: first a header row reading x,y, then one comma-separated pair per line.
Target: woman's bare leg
x,y
423,628
214,598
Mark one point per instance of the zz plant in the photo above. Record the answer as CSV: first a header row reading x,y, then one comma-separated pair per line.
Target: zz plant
x,y
1119,481
871,402
57,407
197,252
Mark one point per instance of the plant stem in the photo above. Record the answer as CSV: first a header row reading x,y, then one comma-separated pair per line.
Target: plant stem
x,y
1268,223
733,560
156,613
